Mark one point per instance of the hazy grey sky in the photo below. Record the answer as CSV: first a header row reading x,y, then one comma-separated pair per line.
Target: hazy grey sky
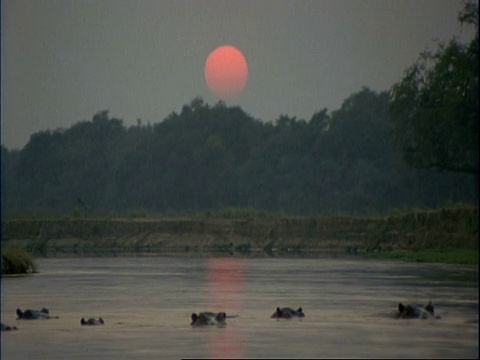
x,y
65,60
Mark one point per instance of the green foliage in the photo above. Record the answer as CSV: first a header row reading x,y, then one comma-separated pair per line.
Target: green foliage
x,y
434,108
16,260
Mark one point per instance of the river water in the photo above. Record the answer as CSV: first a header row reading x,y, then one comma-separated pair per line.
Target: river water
x,y
147,301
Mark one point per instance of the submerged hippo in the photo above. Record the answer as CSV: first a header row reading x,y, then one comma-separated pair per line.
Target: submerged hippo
x,y
287,313
209,318
92,321
416,312
30,314
8,327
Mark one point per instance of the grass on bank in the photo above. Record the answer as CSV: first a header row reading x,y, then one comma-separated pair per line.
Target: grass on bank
x,y
16,260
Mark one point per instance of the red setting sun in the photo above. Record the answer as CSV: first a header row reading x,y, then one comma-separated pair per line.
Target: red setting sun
x,y
226,71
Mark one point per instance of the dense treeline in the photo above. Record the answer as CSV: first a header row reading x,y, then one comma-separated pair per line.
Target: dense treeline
x,y
208,158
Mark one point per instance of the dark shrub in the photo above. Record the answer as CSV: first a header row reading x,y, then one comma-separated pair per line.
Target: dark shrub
x,y
16,260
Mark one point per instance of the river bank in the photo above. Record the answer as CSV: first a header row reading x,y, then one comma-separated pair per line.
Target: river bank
x,y
443,231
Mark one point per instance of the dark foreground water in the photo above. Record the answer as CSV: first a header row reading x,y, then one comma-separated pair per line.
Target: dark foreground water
x,y
147,302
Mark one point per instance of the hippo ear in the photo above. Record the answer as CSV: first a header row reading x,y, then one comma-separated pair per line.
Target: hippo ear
x,y
430,308
401,307
19,313
300,309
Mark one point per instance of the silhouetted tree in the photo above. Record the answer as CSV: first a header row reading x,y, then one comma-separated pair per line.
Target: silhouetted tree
x,y
435,107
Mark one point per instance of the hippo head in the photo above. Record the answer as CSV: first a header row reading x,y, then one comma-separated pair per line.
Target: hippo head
x,y
410,312
208,318
406,311
200,319
220,317
92,321
287,313
283,314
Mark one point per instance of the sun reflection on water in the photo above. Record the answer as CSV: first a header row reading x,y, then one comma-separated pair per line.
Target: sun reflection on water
x,y
226,284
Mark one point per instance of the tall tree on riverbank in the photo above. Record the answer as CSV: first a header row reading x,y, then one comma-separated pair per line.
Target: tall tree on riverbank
x,y
435,107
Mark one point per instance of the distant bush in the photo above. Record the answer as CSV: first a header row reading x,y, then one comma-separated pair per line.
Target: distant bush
x,y
16,260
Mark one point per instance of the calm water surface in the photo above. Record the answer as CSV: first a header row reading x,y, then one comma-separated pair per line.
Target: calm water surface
x,y
146,303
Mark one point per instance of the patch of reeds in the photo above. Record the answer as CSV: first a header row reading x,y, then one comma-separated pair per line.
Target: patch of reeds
x,y
16,260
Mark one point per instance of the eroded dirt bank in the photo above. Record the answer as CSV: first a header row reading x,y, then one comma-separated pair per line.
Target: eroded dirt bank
x,y
446,228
